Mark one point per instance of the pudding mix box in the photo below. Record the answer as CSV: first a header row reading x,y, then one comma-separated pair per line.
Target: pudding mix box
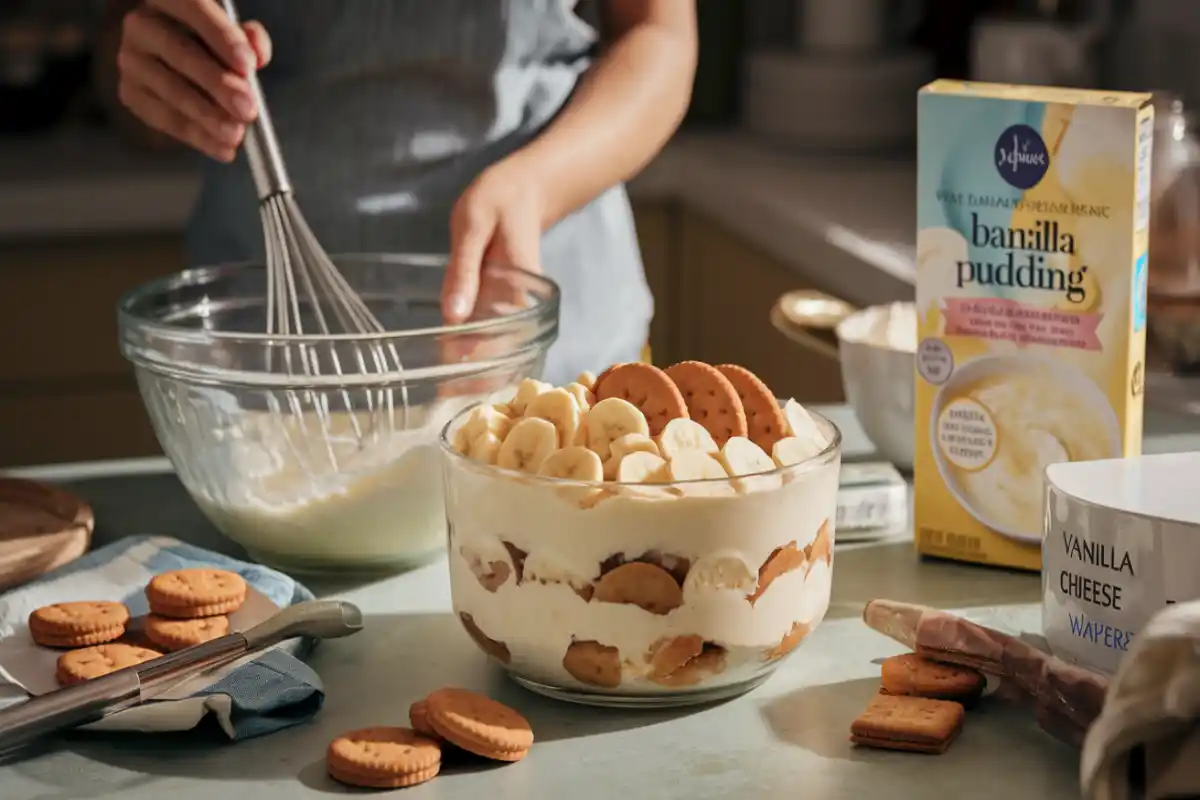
x,y
1032,218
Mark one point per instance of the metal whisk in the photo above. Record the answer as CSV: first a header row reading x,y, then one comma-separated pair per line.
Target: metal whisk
x,y
301,275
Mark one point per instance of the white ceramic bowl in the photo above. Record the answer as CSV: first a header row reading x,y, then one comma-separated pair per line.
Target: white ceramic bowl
x,y
880,386
879,381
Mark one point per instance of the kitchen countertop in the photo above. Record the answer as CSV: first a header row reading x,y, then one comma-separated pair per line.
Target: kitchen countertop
x,y
788,735
806,211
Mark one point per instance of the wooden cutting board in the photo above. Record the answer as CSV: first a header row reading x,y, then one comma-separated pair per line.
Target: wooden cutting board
x,y
42,527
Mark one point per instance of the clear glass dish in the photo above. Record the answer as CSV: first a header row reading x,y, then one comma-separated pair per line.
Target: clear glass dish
x,y
652,595
308,469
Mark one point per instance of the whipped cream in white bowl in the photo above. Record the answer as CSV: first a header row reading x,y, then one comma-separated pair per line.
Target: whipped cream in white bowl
x,y
876,349
651,594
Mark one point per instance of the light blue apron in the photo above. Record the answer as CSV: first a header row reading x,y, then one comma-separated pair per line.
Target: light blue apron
x,y
387,109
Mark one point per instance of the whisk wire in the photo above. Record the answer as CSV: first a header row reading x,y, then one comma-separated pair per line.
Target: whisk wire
x,y
301,275
353,308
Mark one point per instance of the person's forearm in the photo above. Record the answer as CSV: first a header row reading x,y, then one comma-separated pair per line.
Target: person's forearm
x,y
625,109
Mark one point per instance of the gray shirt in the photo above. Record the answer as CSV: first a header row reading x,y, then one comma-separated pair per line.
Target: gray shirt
x,y
387,109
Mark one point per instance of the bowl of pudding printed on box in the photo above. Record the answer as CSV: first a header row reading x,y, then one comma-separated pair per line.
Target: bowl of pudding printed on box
x,y
645,537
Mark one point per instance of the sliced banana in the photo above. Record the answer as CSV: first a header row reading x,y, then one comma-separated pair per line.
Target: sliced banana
x,y
543,566
587,379
461,441
558,407
609,420
485,419
694,465
629,443
720,570
528,444
685,435
576,464
486,447
642,467
526,391
794,449
573,463
581,435
801,423
582,394
745,462
740,456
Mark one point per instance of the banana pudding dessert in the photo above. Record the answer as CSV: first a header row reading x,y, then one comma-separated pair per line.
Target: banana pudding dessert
x,y
642,536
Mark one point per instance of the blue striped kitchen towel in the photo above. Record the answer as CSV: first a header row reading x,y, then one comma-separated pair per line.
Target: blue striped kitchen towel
x,y
258,695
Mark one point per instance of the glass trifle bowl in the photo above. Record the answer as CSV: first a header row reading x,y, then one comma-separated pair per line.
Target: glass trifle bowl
x,y
317,454
652,592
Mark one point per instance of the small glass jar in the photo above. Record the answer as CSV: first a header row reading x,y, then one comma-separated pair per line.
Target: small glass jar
x,y
651,595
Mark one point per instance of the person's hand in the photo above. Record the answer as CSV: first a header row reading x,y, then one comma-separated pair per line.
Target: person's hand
x,y
183,68
498,220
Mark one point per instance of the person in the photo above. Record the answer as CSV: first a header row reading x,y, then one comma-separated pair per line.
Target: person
x,y
494,131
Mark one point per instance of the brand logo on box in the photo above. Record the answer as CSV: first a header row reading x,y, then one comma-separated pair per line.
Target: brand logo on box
x,y
1021,157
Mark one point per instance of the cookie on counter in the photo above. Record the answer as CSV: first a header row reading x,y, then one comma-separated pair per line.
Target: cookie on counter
x,y
909,724
479,724
78,624
191,593
911,674
383,758
418,717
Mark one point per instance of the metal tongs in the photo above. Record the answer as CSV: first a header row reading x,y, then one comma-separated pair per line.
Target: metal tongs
x,y
92,700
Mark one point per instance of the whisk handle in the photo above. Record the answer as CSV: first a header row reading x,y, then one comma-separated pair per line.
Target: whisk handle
x,y
262,147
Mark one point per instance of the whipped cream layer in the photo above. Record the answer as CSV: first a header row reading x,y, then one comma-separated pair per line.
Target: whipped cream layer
x,y
540,552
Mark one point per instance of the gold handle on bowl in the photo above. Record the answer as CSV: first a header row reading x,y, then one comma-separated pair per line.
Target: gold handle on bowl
x,y
810,318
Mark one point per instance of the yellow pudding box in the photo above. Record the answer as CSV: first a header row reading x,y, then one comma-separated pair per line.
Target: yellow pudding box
x,y
1032,217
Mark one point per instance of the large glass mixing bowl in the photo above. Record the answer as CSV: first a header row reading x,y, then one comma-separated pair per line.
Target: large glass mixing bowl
x,y
303,449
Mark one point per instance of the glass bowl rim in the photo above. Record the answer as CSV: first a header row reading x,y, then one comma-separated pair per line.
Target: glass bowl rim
x,y
199,276
226,378
831,450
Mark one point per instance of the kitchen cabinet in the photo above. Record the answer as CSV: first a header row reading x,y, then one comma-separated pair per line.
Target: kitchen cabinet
x,y
66,393
659,229
713,295
727,290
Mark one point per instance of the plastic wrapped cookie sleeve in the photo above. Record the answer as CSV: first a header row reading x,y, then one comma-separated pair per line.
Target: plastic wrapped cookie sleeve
x,y
1066,698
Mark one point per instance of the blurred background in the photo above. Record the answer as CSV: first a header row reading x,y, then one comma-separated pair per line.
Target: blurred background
x,y
794,170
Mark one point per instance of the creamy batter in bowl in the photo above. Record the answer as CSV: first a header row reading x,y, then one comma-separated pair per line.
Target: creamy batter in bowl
x,y
326,472
652,594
